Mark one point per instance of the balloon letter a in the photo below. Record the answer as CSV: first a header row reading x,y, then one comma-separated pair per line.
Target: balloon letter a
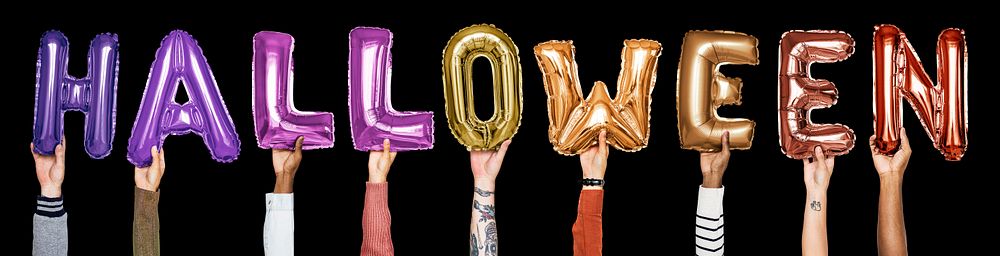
x,y
180,59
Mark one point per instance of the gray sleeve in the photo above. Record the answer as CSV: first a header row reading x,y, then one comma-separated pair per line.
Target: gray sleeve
x,y
50,235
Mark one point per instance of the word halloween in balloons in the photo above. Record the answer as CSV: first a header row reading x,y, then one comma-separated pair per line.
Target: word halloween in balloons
x,y
574,121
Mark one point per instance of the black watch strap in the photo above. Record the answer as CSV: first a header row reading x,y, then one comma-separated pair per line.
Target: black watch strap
x,y
592,182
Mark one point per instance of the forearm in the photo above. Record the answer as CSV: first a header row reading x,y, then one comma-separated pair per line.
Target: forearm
x,y
279,224
283,183
710,222
483,240
376,221
588,231
814,240
146,224
50,234
891,228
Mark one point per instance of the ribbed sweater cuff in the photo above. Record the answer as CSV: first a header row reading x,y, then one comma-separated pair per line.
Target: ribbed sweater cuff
x,y
49,207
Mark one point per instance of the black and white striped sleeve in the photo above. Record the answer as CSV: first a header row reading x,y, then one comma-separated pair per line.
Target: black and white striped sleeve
x,y
710,223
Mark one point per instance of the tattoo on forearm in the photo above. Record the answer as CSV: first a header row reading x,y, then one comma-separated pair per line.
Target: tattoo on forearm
x,y
486,211
491,239
815,206
474,244
483,192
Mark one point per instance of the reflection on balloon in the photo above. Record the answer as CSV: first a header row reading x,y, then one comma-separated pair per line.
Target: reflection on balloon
x,y
701,89
799,93
464,47
178,59
276,120
899,74
575,123
57,92
372,117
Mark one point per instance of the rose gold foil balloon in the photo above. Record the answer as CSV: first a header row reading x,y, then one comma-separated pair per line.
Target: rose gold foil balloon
x,y
465,46
899,74
799,93
575,123
701,89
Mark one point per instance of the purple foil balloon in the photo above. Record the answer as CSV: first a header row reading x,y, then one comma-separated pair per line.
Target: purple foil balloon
x,y
278,124
94,95
180,59
372,117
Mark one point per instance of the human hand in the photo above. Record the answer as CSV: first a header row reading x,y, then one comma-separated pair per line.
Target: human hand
x,y
594,161
817,171
148,178
285,163
713,164
379,163
486,165
51,170
891,165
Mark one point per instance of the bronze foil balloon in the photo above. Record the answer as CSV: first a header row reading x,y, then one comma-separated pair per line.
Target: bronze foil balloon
x,y
899,74
575,123
701,89
799,93
465,46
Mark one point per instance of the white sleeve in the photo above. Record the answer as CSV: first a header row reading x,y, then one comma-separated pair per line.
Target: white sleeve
x,y
279,225
710,223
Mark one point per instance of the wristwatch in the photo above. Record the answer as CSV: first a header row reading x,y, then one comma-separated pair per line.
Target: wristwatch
x,y
592,182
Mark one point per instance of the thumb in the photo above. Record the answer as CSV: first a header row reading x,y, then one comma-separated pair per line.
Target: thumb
x,y
385,147
33,154
818,154
603,142
725,141
298,144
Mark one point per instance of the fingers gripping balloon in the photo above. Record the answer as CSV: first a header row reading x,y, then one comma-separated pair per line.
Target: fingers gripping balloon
x,y
701,89
464,47
799,93
57,92
372,117
278,123
899,74
575,123
178,59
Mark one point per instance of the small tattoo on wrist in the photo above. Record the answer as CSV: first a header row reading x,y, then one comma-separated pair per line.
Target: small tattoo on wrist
x,y
815,206
483,192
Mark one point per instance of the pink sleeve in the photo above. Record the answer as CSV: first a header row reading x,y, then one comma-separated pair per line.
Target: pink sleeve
x,y
376,221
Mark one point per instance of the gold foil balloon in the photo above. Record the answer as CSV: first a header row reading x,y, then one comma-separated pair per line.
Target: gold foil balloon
x,y
899,74
701,89
575,123
464,47
799,93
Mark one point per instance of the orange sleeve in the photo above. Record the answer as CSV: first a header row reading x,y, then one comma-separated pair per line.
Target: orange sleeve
x,y
588,232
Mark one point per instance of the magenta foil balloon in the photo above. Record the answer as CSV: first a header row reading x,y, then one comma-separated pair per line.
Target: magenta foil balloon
x,y
179,59
278,124
57,92
372,117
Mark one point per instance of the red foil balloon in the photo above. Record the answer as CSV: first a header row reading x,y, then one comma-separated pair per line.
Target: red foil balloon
x,y
799,93
899,74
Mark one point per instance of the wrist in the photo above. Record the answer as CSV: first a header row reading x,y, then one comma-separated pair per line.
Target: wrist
x,y
890,176
51,191
816,195
488,184
710,181
376,178
283,183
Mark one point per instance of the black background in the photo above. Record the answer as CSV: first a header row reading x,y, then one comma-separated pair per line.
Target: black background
x,y
212,208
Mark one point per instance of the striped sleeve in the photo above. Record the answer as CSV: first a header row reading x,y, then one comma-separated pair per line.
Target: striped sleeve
x,y
710,223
